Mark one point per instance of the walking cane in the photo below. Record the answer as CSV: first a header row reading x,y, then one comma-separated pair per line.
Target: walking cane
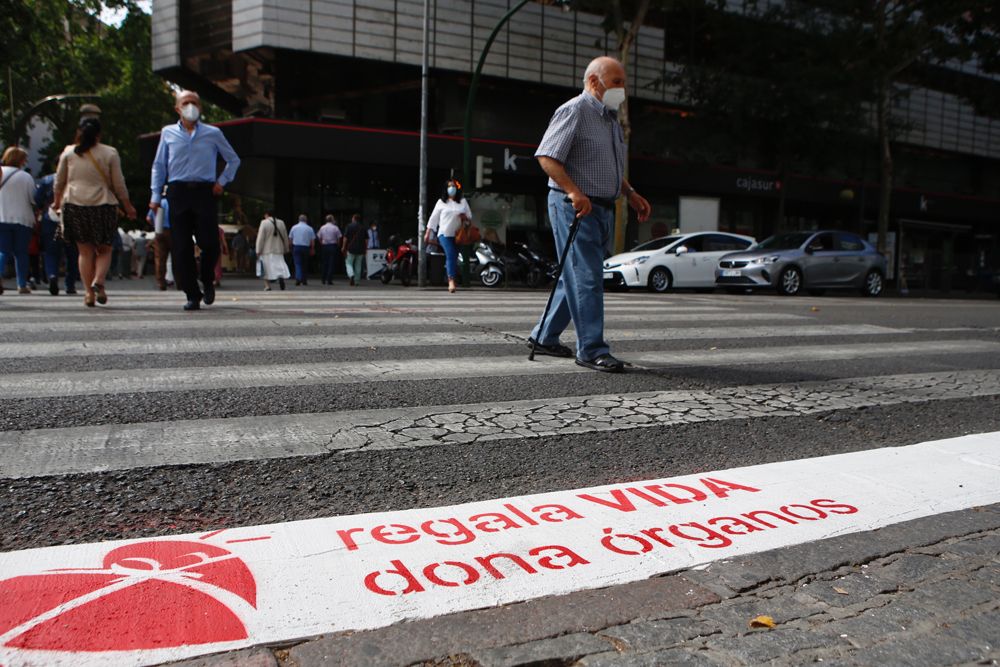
x,y
573,229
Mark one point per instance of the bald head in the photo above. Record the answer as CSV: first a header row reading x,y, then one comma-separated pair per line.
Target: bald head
x,y
184,96
602,68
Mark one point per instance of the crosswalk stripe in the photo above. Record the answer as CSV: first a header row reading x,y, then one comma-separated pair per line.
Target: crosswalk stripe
x,y
525,319
36,385
349,341
117,447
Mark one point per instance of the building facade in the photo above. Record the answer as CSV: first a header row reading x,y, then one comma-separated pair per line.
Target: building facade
x,y
327,95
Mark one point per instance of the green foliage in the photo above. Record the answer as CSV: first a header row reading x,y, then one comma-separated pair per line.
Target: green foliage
x,y
59,47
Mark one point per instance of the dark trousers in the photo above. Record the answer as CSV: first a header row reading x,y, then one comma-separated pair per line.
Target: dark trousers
x,y
328,253
193,214
300,255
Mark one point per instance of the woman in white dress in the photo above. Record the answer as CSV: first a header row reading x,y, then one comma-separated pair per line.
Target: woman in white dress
x,y
272,244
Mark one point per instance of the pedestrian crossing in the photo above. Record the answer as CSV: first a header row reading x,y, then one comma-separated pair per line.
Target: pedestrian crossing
x,y
433,372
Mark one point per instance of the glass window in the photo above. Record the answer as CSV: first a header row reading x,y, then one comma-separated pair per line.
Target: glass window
x,y
694,243
784,241
849,243
656,244
724,243
822,242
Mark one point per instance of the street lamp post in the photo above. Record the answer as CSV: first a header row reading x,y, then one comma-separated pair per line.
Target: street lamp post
x,y
474,85
422,197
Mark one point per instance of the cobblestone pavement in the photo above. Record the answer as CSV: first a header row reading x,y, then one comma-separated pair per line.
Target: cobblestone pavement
x,y
921,593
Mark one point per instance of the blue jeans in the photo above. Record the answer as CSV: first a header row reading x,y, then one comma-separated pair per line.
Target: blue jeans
x,y
579,295
328,253
300,255
450,255
14,239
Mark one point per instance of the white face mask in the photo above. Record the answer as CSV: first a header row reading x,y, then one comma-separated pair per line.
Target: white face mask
x,y
452,191
613,97
190,112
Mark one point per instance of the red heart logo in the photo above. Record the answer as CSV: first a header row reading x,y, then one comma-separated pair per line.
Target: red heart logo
x,y
148,595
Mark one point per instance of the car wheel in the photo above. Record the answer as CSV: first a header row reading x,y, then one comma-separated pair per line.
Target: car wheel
x,y
790,281
874,284
660,280
817,292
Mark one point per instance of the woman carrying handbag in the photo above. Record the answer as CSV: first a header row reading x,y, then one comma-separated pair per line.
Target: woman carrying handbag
x,y
89,186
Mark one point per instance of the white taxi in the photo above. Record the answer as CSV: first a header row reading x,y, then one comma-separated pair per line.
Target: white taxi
x,y
669,262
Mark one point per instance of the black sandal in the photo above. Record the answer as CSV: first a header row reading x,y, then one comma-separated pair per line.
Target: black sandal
x,y
102,296
604,363
556,350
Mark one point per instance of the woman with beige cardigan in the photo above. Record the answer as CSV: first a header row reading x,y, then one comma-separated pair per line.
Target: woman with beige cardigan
x,y
89,186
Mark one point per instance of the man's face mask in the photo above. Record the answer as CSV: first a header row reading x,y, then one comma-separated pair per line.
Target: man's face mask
x,y
613,97
190,112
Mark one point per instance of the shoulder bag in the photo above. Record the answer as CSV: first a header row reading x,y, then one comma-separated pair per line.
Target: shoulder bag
x,y
107,182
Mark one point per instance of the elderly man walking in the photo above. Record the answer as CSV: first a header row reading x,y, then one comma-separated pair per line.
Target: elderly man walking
x,y
186,163
583,154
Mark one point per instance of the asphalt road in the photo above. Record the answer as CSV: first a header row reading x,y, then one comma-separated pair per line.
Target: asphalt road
x,y
68,374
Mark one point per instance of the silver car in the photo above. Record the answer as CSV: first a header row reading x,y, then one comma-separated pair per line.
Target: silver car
x,y
813,261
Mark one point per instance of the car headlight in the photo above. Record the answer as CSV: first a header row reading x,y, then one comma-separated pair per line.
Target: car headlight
x,y
636,261
765,260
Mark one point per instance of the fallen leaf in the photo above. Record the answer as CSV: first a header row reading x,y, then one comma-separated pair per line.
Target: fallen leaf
x,y
762,622
840,590
814,309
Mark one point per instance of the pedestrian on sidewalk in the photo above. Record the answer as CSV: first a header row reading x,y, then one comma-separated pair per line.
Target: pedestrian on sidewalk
x,y
17,217
140,254
51,238
89,187
186,163
303,240
239,247
161,245
450,212
353,246
125,256
329,245
272,244
583,154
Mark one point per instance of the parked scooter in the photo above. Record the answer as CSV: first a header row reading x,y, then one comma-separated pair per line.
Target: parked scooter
x,y
400,261
519,262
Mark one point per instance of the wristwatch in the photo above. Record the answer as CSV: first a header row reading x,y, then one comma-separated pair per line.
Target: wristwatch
x,y
629,190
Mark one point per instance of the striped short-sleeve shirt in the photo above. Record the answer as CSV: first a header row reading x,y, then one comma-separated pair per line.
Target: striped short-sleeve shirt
x,y
585,136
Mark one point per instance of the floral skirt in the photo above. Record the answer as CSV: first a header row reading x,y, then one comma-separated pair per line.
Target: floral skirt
x,y
90,224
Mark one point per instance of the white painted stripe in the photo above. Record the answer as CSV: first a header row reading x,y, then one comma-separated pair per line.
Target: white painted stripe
x,y
332,341
282,582
61,451
325,318
37,385
221,319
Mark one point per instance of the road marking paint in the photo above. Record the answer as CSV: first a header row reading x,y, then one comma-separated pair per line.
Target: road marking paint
x,y
60,451
37,385
152,600
116,346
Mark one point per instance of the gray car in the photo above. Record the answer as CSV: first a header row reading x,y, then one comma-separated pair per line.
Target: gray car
x,y
812,261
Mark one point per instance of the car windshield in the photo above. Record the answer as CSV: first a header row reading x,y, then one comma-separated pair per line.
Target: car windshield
x,y
656,244
784,241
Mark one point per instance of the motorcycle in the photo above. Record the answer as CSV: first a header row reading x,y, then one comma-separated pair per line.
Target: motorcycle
x,y
400,262
519,263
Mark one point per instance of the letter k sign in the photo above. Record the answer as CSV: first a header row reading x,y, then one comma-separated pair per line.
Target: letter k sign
x,y
509,160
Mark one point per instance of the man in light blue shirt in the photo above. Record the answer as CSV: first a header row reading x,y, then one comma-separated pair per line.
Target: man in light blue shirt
x,y
302,237
186,163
